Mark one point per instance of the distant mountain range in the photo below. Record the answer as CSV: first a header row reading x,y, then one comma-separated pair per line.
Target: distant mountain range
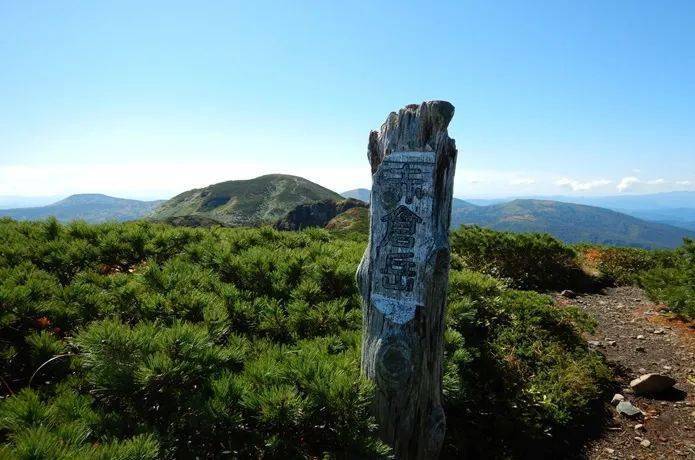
x,y
361,194
90,207
270,199
646,202
673,208
572,222
18,201
262,200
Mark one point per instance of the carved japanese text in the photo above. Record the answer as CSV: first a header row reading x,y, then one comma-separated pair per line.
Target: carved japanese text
x,y
401,221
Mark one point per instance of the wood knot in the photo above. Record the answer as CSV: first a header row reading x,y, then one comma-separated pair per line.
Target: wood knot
x,y
437,424
394,364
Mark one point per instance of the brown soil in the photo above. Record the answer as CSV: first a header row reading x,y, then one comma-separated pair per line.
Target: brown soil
x,y
623,314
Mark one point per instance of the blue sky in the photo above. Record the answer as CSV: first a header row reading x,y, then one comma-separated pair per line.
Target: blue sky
x,y
147,99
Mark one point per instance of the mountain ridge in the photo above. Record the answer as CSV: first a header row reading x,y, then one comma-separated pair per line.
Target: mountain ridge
x,y
249,202
572,223
91,207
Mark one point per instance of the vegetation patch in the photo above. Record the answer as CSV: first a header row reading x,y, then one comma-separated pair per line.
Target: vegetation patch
x,y
619,265
674,282
534,261
142,340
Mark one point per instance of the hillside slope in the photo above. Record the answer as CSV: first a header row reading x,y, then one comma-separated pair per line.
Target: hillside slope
x,y
361,194
92,207
256,201
352,220
571,223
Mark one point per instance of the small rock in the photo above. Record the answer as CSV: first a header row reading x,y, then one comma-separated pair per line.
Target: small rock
x,y
609,451
568,293
617,398
640,348
611,343
625,408
640,337
594,343
652,383
645,443
639,427
658,331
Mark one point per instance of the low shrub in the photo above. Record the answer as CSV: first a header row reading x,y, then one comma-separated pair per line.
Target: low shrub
x,y
531,261
179,342
516,364
674,283
621,266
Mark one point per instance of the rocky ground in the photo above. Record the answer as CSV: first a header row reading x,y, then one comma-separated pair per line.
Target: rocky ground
x,y
638,339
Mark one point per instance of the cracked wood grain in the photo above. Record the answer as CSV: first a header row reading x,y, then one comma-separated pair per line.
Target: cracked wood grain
x,y
403,275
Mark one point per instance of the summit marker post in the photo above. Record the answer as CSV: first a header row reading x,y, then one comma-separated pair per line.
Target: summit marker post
x,y
404,274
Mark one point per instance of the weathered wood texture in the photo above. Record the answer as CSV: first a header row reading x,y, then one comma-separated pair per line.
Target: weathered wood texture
x,y
404,273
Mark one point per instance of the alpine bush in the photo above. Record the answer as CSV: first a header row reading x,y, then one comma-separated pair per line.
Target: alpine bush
x,y
532,261
674,283
141,340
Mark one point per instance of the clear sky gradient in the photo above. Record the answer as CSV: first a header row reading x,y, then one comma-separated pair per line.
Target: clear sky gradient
x,y
148,99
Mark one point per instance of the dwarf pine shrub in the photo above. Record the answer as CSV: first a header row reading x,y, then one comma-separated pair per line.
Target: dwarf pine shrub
x,y
622,266
245,343
674,282
534,261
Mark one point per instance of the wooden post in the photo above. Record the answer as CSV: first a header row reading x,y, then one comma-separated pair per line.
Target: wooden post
x,y
404,273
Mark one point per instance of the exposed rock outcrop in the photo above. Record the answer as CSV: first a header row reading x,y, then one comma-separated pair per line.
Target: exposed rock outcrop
x,y
316,214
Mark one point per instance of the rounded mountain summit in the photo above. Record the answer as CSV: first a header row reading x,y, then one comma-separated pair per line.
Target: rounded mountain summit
x,y
251,202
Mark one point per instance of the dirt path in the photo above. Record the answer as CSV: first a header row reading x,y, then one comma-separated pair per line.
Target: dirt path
x,y
636,340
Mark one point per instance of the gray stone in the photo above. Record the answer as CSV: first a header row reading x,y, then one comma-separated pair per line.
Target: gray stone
x,y
652,383
568,293
617,398
626,408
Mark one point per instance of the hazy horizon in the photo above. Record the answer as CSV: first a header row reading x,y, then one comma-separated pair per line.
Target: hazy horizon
x,y
20,201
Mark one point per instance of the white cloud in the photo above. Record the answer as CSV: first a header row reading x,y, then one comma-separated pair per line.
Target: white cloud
x,y
522,181
494,182
626,183
632,182
683,182
577,186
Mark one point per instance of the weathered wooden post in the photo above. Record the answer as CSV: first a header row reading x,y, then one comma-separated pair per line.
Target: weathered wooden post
x,y
404,273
